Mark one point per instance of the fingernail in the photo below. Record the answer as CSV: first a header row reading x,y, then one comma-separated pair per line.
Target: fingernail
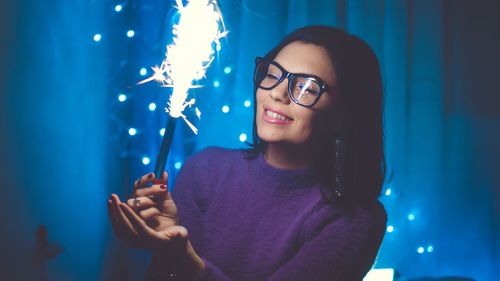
x,y
150,176
163,186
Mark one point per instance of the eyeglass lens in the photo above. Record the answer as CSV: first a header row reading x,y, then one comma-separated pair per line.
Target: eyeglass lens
x,y
303,90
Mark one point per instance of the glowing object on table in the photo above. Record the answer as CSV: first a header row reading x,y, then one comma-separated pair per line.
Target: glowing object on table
x,y
420,250
227,69
118,8
122,97
243,137
198,31
146,160
143,71
130,33
225,109
247,103
152,106
97,37
390,228
132,131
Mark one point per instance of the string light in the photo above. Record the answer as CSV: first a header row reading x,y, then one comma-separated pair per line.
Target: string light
x,y
118,8
162,132
411,217
388,192
420,250
430,249
97,37
130,33
152,106
390,228
216,83
178,165
247,103
122,97
227,69
143,71
243,137
225,109
145,160
132,131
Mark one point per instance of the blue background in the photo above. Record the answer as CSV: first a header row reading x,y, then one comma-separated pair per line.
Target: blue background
x,y
65,146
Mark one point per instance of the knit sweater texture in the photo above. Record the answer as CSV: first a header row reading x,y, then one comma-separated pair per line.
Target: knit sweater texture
x,y
249,221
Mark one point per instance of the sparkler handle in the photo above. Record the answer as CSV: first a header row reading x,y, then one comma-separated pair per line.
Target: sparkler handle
x,y
168,137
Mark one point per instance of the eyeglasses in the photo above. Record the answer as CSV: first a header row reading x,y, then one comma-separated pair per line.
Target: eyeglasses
x,y
303,89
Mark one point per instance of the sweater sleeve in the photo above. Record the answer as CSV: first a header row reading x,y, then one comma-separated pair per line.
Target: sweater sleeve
x,y
342,250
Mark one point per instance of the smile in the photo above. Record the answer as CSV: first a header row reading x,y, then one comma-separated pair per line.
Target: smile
x,y
278,116
272,116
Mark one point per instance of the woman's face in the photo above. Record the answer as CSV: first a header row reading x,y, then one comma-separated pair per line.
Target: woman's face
x,y
278,118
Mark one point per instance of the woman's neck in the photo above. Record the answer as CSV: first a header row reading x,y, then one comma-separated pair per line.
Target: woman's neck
x,y
288,156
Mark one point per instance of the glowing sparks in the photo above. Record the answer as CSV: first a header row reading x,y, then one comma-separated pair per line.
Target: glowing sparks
x,y
197,33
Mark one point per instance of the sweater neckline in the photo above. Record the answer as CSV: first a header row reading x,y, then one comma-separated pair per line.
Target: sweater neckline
x,y
284,182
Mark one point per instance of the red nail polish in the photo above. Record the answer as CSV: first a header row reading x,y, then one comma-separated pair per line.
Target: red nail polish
x,y
150,176
163,186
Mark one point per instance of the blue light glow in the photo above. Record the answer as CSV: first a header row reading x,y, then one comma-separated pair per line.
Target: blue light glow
x,y
225,109
227,69
390,228
118,8
132,131
243,137
97,37
247,103
411,217
430,249
152,106
145,160
216,83
178,165
122,97
162,132
388,192
420,250
130,33
143,71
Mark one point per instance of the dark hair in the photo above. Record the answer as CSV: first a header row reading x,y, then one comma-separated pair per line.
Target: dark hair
x,y
358,114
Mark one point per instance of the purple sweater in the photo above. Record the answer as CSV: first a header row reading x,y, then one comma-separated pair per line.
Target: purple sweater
x,y
251,221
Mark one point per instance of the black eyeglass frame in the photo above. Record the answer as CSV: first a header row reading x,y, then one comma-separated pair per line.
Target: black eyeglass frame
x,y
323,87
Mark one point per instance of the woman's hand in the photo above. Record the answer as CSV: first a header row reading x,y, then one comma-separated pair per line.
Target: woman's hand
x,y
149,219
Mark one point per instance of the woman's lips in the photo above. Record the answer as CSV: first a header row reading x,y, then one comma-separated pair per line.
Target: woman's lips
x,y
276,117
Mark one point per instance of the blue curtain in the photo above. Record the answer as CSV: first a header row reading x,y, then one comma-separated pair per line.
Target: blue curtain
x,y
65,144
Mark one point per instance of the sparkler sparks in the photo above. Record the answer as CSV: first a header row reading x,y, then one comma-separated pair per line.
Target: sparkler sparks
x,y
197,33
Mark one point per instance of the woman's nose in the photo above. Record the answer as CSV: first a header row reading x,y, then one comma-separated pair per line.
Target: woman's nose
x,y
280,92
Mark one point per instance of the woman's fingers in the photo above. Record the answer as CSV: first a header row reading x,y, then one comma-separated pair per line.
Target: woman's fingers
x,y
124,225
137,223
113,217
162,180
158,191
144,181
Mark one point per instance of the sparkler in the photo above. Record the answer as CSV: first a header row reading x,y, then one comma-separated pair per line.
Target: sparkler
x,y
198,31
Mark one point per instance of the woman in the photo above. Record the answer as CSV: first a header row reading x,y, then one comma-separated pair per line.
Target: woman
x,y
302,203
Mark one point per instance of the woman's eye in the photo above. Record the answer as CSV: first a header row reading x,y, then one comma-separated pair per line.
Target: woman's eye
x,y
272,76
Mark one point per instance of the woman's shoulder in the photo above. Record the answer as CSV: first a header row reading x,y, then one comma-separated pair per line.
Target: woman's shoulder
x,y
355,217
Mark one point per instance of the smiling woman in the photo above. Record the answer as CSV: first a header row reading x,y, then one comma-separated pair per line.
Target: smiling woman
x,y
301,204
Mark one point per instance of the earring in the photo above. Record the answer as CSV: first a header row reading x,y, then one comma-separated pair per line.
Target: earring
x,y
339,161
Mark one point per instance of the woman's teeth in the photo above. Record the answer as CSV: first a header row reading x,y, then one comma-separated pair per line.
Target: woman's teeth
x,y
275,115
